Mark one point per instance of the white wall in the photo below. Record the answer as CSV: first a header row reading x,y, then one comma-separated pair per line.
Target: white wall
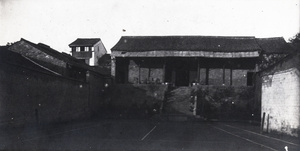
x,y
281,101
99,51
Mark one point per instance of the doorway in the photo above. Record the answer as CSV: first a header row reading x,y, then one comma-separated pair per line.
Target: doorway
x,y
182,72
182,77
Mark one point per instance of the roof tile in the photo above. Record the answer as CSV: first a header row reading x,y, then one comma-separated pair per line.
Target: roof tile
x,y
88,42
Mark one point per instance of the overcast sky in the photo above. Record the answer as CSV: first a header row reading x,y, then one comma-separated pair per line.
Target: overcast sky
x,y
59,22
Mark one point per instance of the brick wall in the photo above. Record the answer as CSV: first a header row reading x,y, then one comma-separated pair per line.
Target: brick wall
x,y
281,101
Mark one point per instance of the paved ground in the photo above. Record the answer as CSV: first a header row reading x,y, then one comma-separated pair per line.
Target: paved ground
x,y
123,134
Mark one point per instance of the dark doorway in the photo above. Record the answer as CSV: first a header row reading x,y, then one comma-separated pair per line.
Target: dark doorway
x,y
121,70
182,77
181,68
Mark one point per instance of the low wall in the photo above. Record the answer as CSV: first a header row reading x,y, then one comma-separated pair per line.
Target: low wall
x,y
227,103
135,99
29,96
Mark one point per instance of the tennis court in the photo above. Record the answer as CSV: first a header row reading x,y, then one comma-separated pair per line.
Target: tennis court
x,y
132,134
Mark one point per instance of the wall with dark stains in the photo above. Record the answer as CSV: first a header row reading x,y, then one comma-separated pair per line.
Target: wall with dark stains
x,y
280,96
213,102
281,102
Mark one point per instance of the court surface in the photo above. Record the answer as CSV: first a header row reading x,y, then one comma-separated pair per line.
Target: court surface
x,y
122,134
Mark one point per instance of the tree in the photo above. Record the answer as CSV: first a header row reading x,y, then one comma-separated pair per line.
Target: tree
x,y
295,41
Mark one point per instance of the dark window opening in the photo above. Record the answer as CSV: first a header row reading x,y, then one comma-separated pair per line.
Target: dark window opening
x,y
81,48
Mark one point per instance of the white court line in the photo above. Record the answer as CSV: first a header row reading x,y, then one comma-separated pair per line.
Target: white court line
x,y
246,139
263,135
148,133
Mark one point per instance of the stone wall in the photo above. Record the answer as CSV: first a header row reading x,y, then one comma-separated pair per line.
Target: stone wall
x,y
135,99
227,103
214,102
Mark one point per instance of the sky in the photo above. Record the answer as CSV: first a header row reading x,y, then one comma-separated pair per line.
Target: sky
x,y
57,23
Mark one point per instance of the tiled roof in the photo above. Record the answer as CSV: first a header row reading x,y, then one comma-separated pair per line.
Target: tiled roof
x,y
61,56
14,58
186,43
88,42
274,45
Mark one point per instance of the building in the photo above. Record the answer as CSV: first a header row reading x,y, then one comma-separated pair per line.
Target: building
x,y
273,50
42,85
60,63
89,50
219,70
183,60
280,97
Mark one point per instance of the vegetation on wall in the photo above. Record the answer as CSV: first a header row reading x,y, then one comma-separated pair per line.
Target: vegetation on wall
x,y
268,60
217,102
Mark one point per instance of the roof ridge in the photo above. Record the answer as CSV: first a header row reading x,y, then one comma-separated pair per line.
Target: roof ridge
x,y
89,38
272,38
40,45
191,36
187,43
85,42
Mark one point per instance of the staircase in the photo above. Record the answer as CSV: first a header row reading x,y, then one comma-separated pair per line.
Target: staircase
x,y
178,101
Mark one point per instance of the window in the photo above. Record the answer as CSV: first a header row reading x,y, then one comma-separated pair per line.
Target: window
x,y
239,77
81,48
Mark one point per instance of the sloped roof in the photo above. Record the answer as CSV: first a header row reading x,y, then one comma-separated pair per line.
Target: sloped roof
x,y
105,57
56,54
14,58
186,43
274,45
88,42
62,56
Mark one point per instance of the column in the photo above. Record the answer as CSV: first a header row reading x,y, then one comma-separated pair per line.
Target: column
x,y
207,76
164,70
198,71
